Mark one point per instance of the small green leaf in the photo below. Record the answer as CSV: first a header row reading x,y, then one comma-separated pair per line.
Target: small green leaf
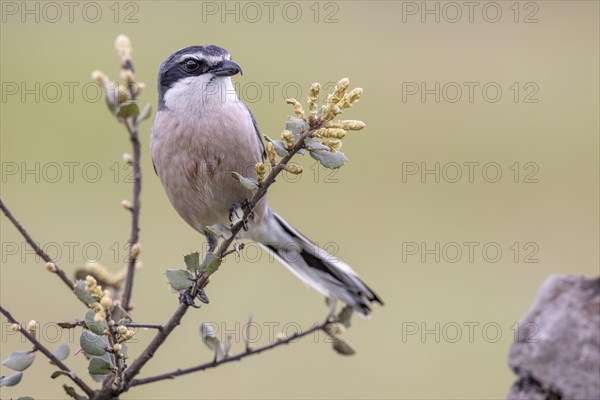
x,y
123,322
56,374
127,110
280,149
62,351
81,292
345,315
98,378
11,380
211,263
342,347
96,327
145,113
312,144
219,231
332,160
73,394
297,126
19,360
209,338
248,183
99,366
93,344
192,261
179,279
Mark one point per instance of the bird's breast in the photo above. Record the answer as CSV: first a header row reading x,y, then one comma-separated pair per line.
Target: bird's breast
x,y
195,154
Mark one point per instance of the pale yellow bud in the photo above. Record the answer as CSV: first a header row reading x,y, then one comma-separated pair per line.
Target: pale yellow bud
x,y
122,94
117,347
127,75
334,133
90,281
138,87
271,154
280,337
100,77
106,302
50,266
297,107
260,168
349,124
126,205
288,137
138,265
335,328
127,158
313,96
338,91
123,47
121,330
355,94
260,171
100,316
32,327
295,169
314,90
15,327
335,144
135,250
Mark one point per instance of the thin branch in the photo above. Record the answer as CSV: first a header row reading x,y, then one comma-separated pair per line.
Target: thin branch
x,y
145,326
237,357
38,250
135,212
201,281
38,346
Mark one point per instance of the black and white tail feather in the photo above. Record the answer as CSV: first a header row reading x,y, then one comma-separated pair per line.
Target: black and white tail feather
x,y
313,265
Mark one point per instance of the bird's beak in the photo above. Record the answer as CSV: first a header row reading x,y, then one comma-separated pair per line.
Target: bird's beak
x,y
227,68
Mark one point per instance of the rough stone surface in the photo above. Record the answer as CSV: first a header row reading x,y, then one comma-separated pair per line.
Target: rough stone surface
x,y
556,354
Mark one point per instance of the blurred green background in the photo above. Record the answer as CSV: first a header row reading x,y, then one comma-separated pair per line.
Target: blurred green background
x,y
371,212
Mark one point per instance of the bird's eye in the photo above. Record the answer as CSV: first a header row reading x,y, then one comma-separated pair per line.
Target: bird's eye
x,y
191,65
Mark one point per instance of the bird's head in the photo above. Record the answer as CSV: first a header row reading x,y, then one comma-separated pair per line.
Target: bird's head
x,y
195,73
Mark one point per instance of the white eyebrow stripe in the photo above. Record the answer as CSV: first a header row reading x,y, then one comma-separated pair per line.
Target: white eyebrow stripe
x,y
197,57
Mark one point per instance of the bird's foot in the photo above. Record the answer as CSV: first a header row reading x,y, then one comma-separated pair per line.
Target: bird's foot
x,y
186,298
242,206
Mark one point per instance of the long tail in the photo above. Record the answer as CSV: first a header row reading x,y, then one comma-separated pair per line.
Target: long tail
x,y
313,265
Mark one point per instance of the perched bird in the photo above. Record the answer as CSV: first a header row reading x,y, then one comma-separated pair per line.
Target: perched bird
x,y
202,133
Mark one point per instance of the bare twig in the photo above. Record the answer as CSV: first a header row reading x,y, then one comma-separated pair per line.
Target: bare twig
x,y
237,357
38,346
201,281
133,131
38,250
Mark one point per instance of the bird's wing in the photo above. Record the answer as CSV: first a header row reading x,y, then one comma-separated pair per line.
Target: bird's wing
x,y
260,142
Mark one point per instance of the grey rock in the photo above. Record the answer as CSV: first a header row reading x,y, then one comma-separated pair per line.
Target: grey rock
x,y
556,354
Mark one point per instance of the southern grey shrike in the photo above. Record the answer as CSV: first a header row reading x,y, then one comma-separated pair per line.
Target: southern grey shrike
x,y
202,133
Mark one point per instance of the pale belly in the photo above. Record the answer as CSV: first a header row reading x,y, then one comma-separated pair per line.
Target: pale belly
x,y
195,167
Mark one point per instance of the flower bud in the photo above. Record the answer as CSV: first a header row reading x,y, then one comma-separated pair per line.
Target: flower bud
x,y
126,205
15,327
271,154
295,169
297,107
135,250
50,266
106,302
127,158
32,327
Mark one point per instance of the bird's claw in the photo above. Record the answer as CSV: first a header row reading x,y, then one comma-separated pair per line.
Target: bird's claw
x,y
186,298
243,205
